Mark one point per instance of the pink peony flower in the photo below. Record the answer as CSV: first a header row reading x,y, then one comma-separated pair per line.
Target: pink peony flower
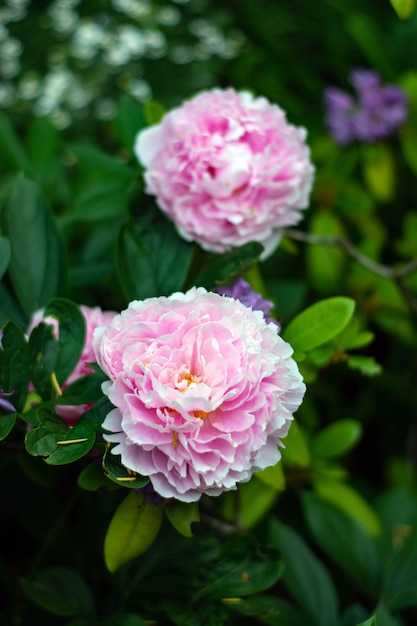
x,y
93,317
203,388
227,168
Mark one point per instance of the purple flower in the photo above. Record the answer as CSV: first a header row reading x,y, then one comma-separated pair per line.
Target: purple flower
x,y
5,405
377,112
241,290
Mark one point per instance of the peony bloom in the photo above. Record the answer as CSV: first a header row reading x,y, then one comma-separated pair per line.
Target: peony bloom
x,y
227,168
93,317
377,113
203,388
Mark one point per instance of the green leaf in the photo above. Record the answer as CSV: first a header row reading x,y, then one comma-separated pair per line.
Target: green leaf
x,y
10,309
43,143
269,610
56,442
404,8
325,264
223,268
44,354
130,120
272,476
154,111
182,515
82,391
255,500
71,335
379,171
36,267
242,569
319,323
14,365
350,501
336,439
305,576
92,478
5,255
132,530
6,424
73,445
364,364
369,622
119,474
399,587
11,146
330,528
295,451
127,619
60,591
152,259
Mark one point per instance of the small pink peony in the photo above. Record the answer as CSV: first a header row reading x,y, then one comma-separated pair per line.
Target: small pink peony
x,y
93,317
228,169
204,389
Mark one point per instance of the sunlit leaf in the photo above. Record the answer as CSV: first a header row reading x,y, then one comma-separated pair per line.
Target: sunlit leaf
x,y
132,530
182,515
336,439
319,323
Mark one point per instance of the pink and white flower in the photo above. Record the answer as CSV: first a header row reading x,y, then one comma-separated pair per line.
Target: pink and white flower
x,y
227,168
94,317
203,388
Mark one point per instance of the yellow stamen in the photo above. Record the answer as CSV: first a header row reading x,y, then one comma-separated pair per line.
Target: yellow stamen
x,y
201,414
126,479
174,438
67,441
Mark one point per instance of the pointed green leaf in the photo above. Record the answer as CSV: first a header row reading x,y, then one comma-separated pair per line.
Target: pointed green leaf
x,y
325,264
319,323
369,622
336,439
145,271
5,255
132,530
295,451
350,501
243,568
182,515
6,424
255,500
14,365
36,267
364,364
404,8
305,576
330,527
60,591
272,476
11,146
71,335
44,354
223,268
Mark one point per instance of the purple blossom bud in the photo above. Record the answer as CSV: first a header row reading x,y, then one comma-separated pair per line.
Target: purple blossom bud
x,y
378,111
241,290
5,405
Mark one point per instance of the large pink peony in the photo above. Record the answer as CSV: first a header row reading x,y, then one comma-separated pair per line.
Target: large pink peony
x,y
227,168
204,389
94,317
